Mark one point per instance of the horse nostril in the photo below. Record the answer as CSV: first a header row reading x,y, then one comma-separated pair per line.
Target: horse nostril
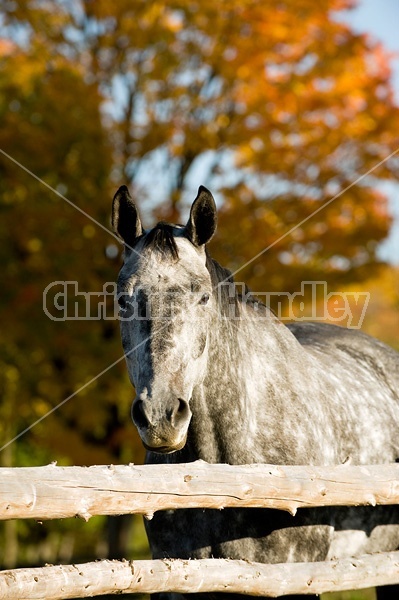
x,y
182,407
180,412
138,414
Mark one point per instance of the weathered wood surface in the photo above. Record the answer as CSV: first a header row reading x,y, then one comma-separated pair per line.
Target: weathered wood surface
x,y
208,575
52,492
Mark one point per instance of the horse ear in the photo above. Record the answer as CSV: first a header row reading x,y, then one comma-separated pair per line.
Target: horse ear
x,y
203,218
125,217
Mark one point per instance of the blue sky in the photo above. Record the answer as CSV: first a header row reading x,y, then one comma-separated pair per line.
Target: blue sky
x,y
380,18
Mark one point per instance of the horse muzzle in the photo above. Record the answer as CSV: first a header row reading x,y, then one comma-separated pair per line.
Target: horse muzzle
x,y
162,428
166,449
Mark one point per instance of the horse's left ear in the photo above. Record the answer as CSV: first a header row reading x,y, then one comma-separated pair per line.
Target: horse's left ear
x,y
125,217
203,218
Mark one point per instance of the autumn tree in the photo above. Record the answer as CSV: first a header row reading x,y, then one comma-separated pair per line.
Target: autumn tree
x,y
279,107
50,122
381,319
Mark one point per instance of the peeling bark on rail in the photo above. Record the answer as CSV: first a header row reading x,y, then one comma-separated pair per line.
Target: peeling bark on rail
x,y
208,575
52,492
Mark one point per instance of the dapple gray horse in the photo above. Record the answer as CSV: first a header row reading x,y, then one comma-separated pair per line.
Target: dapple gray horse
x,y
220,379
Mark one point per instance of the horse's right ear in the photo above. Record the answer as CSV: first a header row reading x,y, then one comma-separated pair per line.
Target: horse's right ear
x,y
125,218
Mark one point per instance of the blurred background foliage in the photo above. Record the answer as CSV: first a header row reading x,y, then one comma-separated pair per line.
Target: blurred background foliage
x,y
276,106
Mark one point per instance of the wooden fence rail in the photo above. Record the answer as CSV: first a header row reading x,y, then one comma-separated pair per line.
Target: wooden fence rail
x,y
191,576
58,492
53,492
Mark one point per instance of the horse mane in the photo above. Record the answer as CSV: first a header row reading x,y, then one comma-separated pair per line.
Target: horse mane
x,y
229,295
161,238
222,283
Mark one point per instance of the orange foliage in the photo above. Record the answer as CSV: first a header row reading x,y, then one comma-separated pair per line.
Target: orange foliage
x,y
276,106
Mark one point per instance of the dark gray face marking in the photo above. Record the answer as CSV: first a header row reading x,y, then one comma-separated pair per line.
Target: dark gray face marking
x,y
247,389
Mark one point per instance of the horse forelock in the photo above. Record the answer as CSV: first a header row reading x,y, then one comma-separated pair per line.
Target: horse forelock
x,y
161,238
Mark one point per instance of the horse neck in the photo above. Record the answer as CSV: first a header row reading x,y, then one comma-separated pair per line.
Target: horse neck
x,y
226,405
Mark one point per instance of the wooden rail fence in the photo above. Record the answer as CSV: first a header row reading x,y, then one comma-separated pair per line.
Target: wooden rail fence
x,y
53,492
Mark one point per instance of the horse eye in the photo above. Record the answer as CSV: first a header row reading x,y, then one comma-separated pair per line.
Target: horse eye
x,y
122,301
204,299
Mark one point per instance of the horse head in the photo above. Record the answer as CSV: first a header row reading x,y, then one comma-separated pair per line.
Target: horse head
x,y
166,302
